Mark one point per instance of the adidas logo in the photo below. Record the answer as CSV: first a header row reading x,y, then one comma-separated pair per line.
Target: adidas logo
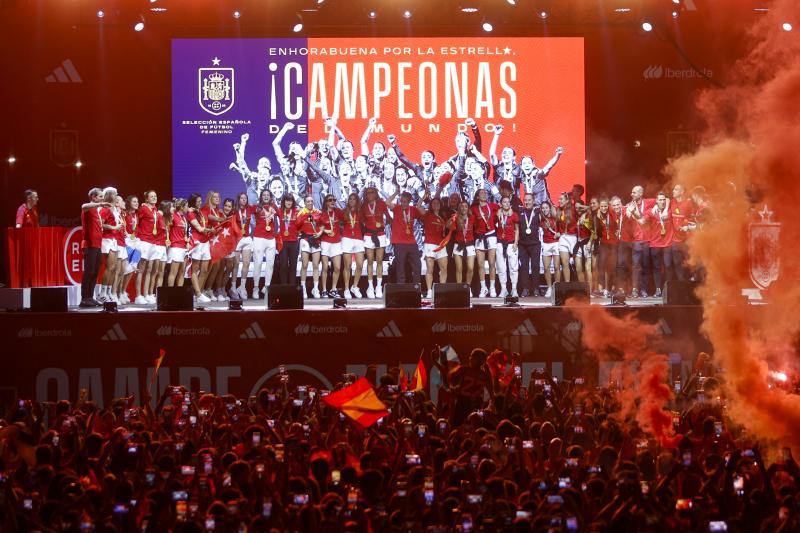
x,y
115,334
253,331
390,330
164,331
302,329
67,74
25,333
525,329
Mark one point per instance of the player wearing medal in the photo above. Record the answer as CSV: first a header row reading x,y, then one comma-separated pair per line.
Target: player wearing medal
x,y
661,236
568,229
146,233
550,238
463,223
373,214
214,218
309,222
633,247
201,251
507,248
682,212
406,251
117,292
244,248
178,241
529,248
111,223
434,229
264,245
289,214
352,245
607,224
131,243
331,244
485,240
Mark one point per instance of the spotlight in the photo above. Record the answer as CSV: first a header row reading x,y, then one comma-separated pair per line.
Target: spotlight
x,y
622,10
674,14
487,26
786,26
512,2
297,28
618,298
78,164
101,14
236,14
11,160
109,307
407,14
139,26
676,2
340,303
320,2
469,9
543,15
646,26
372,14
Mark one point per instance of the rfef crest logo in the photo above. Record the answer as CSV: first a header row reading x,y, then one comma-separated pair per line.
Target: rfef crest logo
x,y
215,88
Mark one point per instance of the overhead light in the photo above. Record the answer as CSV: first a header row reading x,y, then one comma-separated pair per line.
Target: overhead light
x,y
487,26
786,26
469,9
512,2
543,15
676,2
674,14
101,14
11,160
372,14
407,14
158,9
78,164
320,2
297,28
139,26
646,26
622,10
236,14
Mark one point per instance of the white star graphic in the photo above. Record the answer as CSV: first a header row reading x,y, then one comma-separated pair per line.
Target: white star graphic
x,y
215,61
225,232
214,241
506,51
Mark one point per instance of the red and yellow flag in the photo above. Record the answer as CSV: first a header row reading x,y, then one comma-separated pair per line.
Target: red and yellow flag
x,y
359,402
402,378
419,381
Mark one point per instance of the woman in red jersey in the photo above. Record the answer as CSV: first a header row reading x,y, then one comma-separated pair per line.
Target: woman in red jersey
x,y
435,230
567,218
117,290
28,213
331,244
213,213
201,252
110,222
607,224
373,215
178,243
288,214
463,223
485,214
244,248
507,248
264,245
550,237
146,232
310,224
228,262
131,242
352,245
164,217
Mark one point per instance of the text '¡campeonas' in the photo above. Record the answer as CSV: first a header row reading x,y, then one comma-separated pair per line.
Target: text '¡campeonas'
x,y
485,91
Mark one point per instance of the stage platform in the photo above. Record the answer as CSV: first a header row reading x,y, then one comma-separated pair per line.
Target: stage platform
x,y
54,355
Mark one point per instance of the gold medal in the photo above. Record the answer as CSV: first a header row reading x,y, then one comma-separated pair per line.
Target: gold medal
x,y
663,230
286,233
408,230
377,224
268,227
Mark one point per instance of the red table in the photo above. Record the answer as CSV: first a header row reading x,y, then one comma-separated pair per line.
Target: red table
x,y
35,257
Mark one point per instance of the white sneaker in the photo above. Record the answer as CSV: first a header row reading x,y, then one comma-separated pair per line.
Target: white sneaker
x,y
370,292
254,295
484,292
221,296
264,290
102,298
140,300
305,293
151,298
549,292
503,293
315,292
347,294
493,292
429,295
379,291
125,299
356,293
203,299
514,293
242,292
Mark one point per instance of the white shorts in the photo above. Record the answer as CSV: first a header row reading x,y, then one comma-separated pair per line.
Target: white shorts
x,y
566,244
383,242
158,253
585,250
330,249
429,251
122,252
305,247
470,250
108,245
491,243
133,242
176,255
201,252
245,243
352,246
263,247
549,249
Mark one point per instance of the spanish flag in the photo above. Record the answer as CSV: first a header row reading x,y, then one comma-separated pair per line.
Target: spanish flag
x,y
359,402
419,381
156,365
402,378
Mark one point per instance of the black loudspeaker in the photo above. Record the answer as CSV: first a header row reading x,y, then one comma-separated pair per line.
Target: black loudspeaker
x,y
174,298
49,299
578,291
402,296
284,297
680,293
451,295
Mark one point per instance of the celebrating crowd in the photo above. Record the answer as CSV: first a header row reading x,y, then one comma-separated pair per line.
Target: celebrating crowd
x,y
488,222
491,454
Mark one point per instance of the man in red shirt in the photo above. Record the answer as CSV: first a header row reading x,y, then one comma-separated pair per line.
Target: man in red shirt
x,y
92,239
28,214
660,226
634,239
405,245
681,212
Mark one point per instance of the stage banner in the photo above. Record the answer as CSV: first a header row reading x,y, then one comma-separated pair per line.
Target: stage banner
x,y
231,98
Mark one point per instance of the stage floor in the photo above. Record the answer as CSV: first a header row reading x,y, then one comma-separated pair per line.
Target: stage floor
x,y
323,304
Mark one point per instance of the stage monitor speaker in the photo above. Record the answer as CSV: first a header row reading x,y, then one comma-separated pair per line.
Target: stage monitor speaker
x,y
284,297
49,299
174,298
451,295
574,290
680,293
402,296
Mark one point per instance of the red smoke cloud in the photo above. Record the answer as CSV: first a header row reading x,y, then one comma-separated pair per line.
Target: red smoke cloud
x,y
750,150
627,339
